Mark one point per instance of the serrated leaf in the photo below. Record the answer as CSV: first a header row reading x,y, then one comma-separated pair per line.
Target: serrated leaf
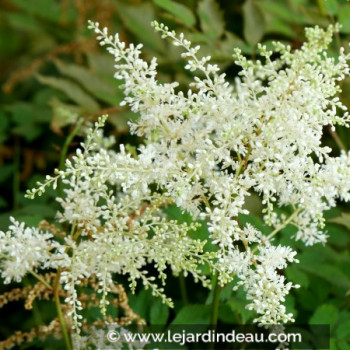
x,y
325,314
193,314
72,90
89,80
180,11
254,22
159,313
211,18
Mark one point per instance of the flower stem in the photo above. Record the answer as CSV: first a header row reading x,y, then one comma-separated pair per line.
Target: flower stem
x,y
183,290
337,139
65,147
215,307
59,310
215,303
41,280
321,7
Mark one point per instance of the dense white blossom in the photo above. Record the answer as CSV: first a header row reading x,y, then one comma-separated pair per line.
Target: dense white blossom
x,y
206,150
24,249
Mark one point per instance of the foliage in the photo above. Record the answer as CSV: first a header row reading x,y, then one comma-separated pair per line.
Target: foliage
x,y
50,62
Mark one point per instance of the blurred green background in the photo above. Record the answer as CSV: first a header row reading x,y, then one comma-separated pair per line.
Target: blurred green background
x,y
49,61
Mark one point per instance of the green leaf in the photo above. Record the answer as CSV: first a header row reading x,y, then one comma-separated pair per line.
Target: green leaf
x,y
193,314
211,18
29,131
338,235
120,119
232,40
23,22
279,26
180,11
159,313
330,273
290,305
47,9
325,314
278,9
30,220
238,304
344,218
255,221
60,120
343,345
72,90
254,22
137,19
343,330
102,64
33,209
88,79
296,276
331,6
141,302
175,213
28,113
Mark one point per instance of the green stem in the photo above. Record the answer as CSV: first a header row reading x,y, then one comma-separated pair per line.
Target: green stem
x,y
280,227
285,223
59,311
183,290
215,307
321,7
65,147
215,303
337,139
41,279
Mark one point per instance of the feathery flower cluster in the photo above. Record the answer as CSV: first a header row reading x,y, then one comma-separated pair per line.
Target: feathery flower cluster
x,y
206,150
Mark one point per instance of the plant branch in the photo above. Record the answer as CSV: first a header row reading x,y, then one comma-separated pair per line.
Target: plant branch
x,y
59,310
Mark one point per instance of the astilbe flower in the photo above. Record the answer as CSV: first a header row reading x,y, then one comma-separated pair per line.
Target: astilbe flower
x,y
206,150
